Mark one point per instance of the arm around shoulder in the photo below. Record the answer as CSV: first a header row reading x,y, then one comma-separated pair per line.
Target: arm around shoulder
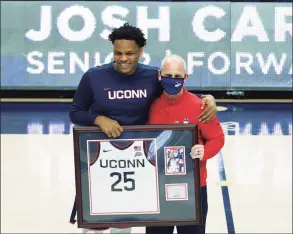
x,y
209,108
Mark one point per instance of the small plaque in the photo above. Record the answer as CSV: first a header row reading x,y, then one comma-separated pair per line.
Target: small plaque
x,y
176,192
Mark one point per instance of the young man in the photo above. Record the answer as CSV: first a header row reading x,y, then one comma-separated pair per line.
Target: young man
x,y
121,92
178,106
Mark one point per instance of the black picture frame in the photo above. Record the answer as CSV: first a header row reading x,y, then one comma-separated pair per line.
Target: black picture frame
x,y
179,208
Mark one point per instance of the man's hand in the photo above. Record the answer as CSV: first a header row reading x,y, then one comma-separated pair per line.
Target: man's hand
x,y
211,108
109,126
197,151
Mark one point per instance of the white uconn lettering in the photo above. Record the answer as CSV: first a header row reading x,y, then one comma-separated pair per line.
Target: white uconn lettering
x,y
127,94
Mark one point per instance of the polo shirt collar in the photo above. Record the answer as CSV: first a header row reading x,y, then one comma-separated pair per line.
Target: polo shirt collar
x,y
174,101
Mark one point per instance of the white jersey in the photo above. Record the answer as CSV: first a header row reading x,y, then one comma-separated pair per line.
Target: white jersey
x,y
122,180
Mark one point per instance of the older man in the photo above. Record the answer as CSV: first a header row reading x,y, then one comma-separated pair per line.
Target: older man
x,y
178,106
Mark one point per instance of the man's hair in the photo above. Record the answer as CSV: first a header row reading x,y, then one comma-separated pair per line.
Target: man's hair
x,y
128,32
173,57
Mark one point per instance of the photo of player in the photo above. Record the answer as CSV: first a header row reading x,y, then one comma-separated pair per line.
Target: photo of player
x,y
175,160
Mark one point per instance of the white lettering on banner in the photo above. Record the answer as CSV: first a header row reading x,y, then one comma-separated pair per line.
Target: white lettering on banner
x,y
271,60
246,64
109,20
248,17
37,66
32,59
162,23
191,63
75,60
265,64
198,23
248,25
127,94
45,25
281,26
88,19
168,52
63,24
226,63
53,61
243,62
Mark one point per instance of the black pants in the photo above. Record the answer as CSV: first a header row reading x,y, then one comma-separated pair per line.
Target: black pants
x,y
188,229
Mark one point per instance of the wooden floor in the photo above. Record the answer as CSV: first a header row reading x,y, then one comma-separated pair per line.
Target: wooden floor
x,y
37,170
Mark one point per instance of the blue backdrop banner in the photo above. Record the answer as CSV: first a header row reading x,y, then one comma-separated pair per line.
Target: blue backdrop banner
x,y
49,45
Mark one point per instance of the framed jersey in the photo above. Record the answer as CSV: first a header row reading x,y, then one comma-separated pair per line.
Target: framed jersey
x,y
145,177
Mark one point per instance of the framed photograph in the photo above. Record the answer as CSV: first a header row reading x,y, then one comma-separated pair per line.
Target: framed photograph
x,y
145,177
175,160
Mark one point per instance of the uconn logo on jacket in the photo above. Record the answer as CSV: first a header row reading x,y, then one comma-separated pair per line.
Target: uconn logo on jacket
x,y
127,94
